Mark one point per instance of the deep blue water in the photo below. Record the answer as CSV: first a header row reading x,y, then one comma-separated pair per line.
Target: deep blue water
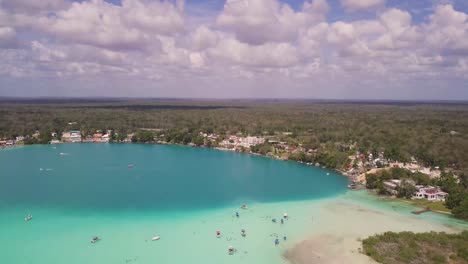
x,y
96,176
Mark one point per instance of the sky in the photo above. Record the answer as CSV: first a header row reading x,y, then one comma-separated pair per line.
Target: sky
x,y
322,49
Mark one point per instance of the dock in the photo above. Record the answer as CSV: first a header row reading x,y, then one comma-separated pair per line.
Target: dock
x,y
427,209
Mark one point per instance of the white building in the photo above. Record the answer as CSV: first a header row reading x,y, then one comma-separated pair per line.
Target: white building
x,y
430,193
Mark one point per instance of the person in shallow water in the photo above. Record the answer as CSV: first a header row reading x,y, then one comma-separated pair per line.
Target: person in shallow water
x,y
237,214
276,241
284,238
282,221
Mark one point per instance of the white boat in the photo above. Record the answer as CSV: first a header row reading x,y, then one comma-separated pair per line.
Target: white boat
x,y
27,218
155,238
328,173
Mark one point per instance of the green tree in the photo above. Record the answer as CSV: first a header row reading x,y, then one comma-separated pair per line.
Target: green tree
x,y
405,190
461,211
371,181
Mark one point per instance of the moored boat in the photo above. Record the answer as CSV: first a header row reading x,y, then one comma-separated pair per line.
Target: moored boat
x,y
95,239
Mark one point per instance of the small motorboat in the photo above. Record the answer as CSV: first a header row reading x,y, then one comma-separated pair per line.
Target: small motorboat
x,y
243,232
244,206
273,220
131,166
155,238
285,215
328,173
352,186
27,218
231,250
95,239
218,234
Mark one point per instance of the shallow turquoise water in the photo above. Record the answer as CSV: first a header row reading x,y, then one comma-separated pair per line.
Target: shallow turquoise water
x,y
182,194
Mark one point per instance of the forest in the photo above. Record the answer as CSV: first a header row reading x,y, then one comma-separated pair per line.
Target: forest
x,y
436,133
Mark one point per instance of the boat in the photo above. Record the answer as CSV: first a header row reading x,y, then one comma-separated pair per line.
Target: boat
x,y
328,173
285,215
244,206
231,250
218,234
95,239
243,232
155,238
352,186
131,166
27,218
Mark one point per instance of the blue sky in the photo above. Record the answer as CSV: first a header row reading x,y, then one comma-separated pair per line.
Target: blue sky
x,y
338,49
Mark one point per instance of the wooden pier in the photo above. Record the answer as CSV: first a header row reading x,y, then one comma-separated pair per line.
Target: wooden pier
x,y
427,209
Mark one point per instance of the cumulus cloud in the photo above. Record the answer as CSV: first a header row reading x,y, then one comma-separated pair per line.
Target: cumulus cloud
x,y
133,25
356,5
264,42
261,21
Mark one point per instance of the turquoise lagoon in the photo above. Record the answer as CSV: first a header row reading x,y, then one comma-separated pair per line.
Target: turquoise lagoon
x,y
76,191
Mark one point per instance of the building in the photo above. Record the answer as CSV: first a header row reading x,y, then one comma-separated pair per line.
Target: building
x,y
72,136
97,137
105,138
392,185
430,193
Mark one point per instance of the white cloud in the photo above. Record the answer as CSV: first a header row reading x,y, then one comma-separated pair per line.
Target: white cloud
x,y
356,5
134,25
265,55
261,21
262,41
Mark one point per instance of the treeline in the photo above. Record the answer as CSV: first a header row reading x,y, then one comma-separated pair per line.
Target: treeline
x,y
435,135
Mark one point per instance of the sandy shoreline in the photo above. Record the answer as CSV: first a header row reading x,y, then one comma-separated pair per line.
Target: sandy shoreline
x,y
342,224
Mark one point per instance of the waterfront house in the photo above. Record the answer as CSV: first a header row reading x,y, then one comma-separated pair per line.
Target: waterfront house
x,y
105,138
430,193
72,136
97,137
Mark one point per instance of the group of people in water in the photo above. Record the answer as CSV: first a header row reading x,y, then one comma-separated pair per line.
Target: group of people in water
x,y
231,249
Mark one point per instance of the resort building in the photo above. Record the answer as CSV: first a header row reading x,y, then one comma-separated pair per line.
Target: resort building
x,y
430,193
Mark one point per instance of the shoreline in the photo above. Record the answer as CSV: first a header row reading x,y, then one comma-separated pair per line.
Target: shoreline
x,y
342,173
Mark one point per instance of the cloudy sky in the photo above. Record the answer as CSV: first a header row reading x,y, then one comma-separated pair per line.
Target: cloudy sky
x,y
337,49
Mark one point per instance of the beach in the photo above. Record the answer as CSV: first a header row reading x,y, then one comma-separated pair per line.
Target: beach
x,y
344,221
